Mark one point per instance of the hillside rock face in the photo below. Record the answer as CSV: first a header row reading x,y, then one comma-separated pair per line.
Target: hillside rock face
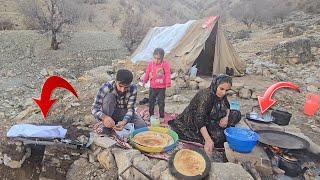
x,y
292,51
293,30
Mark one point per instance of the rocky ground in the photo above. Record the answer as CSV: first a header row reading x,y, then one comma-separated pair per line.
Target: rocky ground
x,y
284,52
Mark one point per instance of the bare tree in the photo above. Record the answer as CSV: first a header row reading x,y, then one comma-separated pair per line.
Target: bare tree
x,y
262,11
133,29
245,11
114,16
50,16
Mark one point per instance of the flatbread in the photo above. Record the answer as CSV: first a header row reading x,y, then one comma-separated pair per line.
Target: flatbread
x,y
189,163
153,139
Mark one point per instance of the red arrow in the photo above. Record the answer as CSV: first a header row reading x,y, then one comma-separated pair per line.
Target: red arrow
x,y
44,102
265,101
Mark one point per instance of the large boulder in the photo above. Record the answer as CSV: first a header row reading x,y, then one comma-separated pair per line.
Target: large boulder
x,y
14,154
106,159
294,51
124,159
82,169
220,171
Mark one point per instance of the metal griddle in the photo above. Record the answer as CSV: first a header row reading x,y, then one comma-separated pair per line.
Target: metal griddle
x,y
282,139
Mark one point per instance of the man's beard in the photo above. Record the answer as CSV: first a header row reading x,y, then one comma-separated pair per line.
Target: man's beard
x,y
121,93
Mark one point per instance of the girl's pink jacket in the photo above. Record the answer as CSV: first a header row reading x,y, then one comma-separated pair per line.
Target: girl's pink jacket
x,y
158,74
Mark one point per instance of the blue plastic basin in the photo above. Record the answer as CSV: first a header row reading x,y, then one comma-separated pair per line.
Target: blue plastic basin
x,y
241,139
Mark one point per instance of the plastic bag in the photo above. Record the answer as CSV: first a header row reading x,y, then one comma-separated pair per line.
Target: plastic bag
x,y
126,131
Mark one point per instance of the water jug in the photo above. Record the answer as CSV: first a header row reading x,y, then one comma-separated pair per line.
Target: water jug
x,y
235,105
312,104
154,121
193,71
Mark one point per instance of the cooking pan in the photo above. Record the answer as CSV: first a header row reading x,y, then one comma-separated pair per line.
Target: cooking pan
x,y
178,175
282,139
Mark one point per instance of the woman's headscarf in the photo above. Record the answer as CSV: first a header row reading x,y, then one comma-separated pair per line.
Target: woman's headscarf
x,y
221,78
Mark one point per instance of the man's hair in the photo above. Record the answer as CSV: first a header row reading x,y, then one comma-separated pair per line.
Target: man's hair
x,y
159,51
124,77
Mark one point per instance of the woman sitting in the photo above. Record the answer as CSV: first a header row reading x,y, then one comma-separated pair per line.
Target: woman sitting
x,y
207,115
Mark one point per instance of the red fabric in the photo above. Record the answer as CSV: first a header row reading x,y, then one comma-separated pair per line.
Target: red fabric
x,y
143,111
152,75
209,21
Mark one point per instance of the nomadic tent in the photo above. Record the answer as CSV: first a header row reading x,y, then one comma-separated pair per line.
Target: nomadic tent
x,y
197,42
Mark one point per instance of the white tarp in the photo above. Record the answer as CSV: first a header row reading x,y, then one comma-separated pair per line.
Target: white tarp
x,y
163,37
28,130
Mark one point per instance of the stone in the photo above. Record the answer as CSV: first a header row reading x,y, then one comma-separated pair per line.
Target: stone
x,y
254,95
245,93
237,86
278,171
298,48
103,141
166,175
257,156
174,76
91,158
82,169
75,104
281,76
106,159
198,79
14,164
180,83
204,84
193,85
83,139
89,119
2,115
158,168
293,60
266,73
123,160
56,161
142,163
222,171
172,90
179,98
312,88
44,72
315,129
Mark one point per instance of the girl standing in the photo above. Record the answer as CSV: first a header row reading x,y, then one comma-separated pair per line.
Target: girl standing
x,y
158,72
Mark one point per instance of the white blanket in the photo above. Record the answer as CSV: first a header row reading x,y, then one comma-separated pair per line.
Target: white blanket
x,y
28,130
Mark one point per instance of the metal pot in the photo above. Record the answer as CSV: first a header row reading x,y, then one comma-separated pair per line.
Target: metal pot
x,y
291,166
